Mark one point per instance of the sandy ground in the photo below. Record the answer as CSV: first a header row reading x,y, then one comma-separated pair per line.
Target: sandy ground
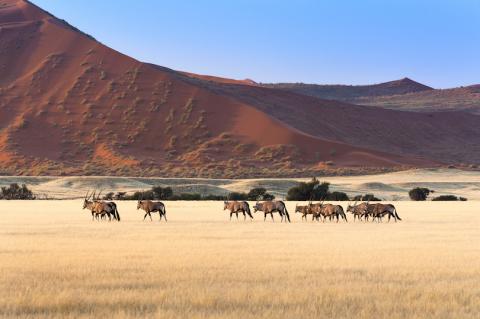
x,y
391,186
56,263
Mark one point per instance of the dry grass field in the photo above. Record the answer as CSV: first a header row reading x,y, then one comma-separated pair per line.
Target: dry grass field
x,y
56,263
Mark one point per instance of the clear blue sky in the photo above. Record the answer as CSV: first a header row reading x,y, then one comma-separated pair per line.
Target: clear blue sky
x,y
436,42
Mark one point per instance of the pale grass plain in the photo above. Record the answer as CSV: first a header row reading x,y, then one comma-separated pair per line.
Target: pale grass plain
x,y
56,263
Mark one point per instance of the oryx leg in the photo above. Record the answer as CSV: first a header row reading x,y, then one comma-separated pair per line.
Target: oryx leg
x,y
390,214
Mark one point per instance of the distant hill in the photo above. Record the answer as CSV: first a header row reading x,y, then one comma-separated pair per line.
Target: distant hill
x,y
404,94
349,93
462,98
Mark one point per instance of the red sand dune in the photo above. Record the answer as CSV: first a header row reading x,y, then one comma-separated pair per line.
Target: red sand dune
x,y
70,105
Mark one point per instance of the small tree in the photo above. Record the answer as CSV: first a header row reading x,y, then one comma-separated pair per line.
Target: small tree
x,y
338,196
237,196
120,195
108,196
162,193
148,195
419,193
313,190
367,197
449,198
371,198
268,196
259,193
14,191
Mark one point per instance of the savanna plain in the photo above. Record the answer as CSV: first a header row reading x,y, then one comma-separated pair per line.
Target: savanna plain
x,y
55,262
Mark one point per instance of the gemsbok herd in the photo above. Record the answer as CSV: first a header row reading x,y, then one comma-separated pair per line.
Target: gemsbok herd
x,y
101,210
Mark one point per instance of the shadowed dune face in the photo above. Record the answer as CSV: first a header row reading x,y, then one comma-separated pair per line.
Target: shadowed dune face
x,y
449,137
69,105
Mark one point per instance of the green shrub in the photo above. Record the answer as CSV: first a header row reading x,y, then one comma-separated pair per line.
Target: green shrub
x,y
162,193
109,196
449,198
312,190
367,198
237,196
16,192
259,193
419,193
337,196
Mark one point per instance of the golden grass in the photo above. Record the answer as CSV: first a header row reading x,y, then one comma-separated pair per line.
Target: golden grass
x,y
56,263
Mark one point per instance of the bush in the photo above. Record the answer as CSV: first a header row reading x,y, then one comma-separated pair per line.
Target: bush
x,y
148,195
268,196
237,196
120,195
312,190
14,191
419,193
162,193
367,198
109,196
259,193
337,196
449,198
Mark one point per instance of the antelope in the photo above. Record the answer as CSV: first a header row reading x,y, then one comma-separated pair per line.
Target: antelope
x,y
358,211
379,210
327,210
235,207
302,210
269,207
340,213
151,207
100,208
315,209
